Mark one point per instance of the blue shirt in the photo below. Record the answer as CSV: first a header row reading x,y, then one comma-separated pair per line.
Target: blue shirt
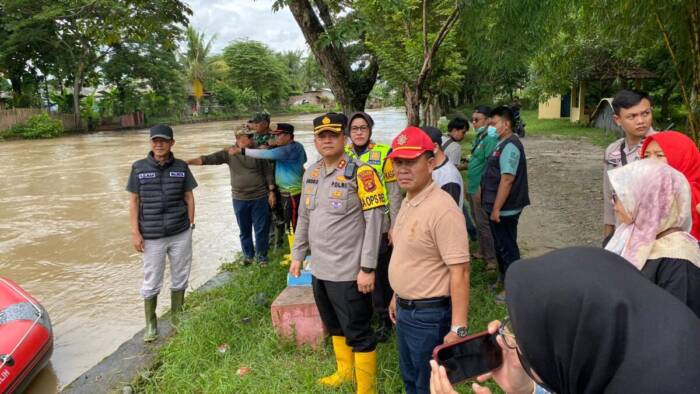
x,y
289,165
509,160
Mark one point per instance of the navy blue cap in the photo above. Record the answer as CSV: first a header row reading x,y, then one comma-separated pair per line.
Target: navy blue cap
x,y
161,131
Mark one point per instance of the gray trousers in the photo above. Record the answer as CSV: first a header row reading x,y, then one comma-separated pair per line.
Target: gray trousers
x,y
178,248
483,229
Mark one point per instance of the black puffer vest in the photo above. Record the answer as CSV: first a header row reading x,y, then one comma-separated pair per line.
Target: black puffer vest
x,y
519,196
162,209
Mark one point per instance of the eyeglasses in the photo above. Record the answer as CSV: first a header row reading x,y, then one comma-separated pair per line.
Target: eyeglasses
x,y
506,332
356,129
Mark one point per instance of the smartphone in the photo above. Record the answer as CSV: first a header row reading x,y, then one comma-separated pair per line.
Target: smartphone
x,y
469,357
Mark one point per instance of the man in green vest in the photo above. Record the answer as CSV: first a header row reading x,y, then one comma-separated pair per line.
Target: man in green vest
x,y
362,147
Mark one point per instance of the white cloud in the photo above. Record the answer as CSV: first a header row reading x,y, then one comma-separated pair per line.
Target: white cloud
x,y
246,19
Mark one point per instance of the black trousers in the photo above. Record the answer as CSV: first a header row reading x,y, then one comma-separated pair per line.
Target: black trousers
x,y
381,296
346,312
505,240
290,210
277,227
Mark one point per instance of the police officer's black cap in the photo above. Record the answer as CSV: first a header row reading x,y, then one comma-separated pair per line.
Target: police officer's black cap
x,y
434,133
284,128
161,131
331,121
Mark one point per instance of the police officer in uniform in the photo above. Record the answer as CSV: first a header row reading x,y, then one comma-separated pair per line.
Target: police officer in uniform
x,y
340,218
161,209
362,147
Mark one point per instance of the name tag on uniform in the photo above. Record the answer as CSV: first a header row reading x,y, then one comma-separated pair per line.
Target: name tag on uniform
x,y
177,174
375,158
147,175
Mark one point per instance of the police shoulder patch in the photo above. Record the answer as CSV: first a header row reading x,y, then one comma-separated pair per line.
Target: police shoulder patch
x,y
389,174
369,188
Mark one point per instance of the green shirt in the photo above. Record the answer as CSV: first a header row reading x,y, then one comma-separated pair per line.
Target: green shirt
x,y
484,145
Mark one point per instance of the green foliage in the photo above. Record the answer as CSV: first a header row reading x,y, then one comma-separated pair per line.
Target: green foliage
x,y
253,65
38,126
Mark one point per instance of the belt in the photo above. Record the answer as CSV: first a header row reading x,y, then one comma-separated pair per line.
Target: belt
x,y
426,303
287,194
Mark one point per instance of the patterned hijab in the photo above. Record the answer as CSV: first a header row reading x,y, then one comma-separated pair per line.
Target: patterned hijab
x,y
683,155
657,197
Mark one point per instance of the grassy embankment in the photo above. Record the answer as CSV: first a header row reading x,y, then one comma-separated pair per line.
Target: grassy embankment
x,y
238,315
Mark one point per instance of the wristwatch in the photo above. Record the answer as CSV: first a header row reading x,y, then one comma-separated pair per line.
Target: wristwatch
x,y
192,226
460,331
367,270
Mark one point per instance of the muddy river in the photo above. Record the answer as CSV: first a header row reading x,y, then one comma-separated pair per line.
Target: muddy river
x,y
64,230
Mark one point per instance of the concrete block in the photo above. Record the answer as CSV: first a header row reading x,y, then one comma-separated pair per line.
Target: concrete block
x,y
294,315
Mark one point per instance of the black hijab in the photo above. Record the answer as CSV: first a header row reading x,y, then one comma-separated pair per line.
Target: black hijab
x,y
588,322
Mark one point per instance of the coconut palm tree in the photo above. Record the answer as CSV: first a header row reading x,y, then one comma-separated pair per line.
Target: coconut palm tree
x,y
196,62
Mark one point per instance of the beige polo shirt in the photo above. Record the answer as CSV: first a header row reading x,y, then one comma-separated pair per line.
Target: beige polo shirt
x,y
429,235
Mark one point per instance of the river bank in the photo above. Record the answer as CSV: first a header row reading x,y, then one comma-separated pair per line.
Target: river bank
x,y
565,188
6,136
64,233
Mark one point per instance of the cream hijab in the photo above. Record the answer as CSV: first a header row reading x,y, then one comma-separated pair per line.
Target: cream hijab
x,y
657,197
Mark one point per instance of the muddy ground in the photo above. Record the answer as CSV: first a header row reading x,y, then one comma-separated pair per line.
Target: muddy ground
x,y
566,192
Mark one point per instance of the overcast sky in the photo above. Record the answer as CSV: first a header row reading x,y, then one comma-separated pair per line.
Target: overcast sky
x,y
241,19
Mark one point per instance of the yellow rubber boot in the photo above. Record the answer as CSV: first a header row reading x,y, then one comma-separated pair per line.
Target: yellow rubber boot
x,y
287,259
366,372
344,359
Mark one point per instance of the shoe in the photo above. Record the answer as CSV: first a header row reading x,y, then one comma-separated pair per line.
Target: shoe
x,y
263,264
177,300
384,330
344,359
246,261
491,265
501,297
366,372
151,319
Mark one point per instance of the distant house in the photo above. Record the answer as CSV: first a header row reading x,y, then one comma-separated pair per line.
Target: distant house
x,y
573,105
322,97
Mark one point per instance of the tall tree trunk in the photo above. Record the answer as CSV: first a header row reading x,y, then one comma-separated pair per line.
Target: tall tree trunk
x,y
351,88
77,87
412,104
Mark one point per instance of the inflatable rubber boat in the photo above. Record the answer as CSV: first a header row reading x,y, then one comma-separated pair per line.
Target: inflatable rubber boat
x,y
26,338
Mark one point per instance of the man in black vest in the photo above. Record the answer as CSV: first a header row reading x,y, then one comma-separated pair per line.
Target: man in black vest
x,y
504,191
161,209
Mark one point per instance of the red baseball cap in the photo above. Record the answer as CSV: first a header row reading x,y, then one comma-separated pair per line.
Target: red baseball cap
x,y
410,143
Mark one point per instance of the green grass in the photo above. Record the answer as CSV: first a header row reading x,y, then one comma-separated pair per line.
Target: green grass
x,y
563,128
238,314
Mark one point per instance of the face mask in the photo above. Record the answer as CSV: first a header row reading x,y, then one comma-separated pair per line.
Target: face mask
x,y
491,131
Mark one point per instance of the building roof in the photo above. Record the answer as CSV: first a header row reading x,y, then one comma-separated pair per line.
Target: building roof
x,y
617,69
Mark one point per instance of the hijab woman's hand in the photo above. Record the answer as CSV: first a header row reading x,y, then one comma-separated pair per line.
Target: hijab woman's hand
x,y
439,383
510,376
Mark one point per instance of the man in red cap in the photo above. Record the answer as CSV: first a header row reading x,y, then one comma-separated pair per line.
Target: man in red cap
x,y
429,269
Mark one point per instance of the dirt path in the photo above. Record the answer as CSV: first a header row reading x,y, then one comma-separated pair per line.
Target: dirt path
x,y
565,179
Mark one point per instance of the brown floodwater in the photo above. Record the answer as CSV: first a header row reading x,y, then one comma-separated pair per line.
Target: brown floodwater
x,y
64,230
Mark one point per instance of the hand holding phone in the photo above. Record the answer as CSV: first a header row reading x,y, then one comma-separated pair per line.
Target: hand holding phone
x,y
470,357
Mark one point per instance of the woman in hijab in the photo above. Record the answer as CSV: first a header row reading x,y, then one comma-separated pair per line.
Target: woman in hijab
x,y
583,321
652,204
680,152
